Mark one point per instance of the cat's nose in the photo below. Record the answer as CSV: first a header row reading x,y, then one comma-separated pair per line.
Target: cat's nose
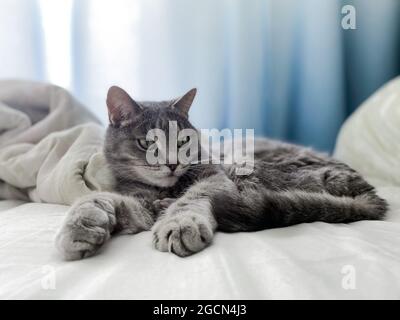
x,y
172,167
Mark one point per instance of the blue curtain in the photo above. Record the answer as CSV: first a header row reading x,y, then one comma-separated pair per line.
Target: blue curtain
x,y
283,67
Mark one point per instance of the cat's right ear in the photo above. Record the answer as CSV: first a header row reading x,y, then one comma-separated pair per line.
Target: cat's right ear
x,y
122,109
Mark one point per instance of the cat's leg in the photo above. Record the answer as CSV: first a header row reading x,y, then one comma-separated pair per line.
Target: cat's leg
x,y
188,224
160,205
93,218
344,181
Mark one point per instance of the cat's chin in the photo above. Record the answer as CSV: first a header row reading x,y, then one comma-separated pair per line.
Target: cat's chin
x,y
163,182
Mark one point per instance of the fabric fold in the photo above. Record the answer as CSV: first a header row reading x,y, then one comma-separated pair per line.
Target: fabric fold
x,y
50,145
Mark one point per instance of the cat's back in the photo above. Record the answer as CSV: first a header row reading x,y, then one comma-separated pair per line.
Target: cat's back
x,y
279,165
276,152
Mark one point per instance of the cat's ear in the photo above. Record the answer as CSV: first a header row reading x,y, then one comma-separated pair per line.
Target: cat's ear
x,y
121,107
184,103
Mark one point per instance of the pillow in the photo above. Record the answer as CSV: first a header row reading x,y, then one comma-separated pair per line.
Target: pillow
x,y
369,140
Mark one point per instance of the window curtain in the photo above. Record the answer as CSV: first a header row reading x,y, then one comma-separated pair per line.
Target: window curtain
x,y
285,68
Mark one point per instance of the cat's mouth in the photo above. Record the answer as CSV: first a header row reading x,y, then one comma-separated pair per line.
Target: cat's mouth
x,y
170,178
173,175
158,178
161,176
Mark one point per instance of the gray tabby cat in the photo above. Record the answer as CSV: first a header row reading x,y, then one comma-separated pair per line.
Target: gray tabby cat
x,y
185,204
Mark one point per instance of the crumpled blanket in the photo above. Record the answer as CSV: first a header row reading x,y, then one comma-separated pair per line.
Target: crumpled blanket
x,y
50,145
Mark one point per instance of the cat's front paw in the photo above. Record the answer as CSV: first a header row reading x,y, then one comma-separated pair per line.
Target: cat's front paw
x,y
183,233
87,227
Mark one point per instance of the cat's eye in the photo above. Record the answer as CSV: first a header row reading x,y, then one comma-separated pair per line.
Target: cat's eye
x,y
183,141
144,144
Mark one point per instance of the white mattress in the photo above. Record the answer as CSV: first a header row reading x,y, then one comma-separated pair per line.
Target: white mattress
x,y
317,260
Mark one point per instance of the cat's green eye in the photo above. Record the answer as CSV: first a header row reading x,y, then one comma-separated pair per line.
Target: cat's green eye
x,y
144,144
182,142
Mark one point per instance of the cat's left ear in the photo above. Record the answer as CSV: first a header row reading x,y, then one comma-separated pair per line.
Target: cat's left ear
x,y
184,103
122,109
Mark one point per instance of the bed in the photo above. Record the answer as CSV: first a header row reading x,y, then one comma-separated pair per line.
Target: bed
x,y
360,260
308,261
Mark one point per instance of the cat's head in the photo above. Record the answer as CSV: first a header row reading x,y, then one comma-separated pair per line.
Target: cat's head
x,y
126,147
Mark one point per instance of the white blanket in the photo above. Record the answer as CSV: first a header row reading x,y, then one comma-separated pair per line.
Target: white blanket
x,y
50,145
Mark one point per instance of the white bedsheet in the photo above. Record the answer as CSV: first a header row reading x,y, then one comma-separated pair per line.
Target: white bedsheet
x,y
314,260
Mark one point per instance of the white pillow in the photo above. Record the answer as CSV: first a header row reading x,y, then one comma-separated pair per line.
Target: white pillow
x,y
369,140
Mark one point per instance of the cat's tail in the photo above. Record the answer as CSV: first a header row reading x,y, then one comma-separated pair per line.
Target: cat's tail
x,y
279,209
